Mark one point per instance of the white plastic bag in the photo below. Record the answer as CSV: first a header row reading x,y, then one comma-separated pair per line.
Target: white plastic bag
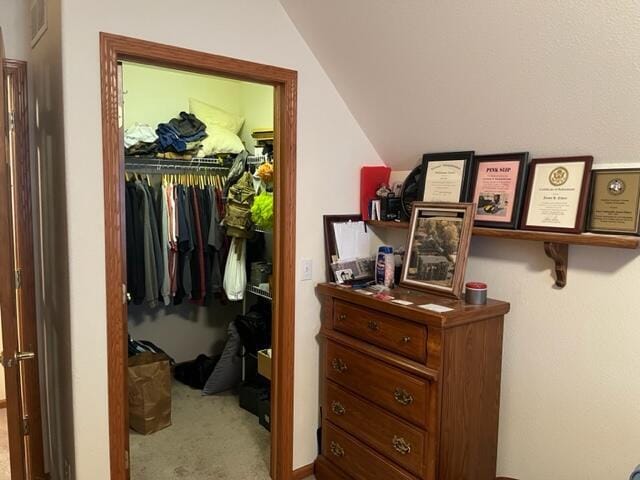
x,y
235,272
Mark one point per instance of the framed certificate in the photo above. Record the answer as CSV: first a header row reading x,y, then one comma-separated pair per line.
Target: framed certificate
x,y
614,205
557,194
445,177
497,188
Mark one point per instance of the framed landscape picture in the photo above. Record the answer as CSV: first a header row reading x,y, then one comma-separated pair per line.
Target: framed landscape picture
x,y
557,194
437,247
445,177
497,189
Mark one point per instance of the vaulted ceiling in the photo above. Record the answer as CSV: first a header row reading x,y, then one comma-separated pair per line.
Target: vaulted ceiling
x,y
438,75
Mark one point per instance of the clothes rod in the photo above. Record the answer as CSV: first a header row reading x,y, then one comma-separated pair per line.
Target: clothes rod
x,y
170,169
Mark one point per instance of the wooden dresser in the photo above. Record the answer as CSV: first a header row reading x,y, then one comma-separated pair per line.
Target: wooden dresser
x,y
407,393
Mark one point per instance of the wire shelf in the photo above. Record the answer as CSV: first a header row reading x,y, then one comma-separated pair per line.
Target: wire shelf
x,y
259,292
163,164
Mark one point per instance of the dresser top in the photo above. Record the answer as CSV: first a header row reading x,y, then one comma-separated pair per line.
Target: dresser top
x,y
460,313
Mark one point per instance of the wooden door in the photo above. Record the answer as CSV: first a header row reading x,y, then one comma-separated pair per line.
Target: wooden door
x,y
17,285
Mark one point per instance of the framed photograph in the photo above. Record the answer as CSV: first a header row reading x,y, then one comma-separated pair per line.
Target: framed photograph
x,y
557,194
437,247
330,247
497,189
445,177
614,205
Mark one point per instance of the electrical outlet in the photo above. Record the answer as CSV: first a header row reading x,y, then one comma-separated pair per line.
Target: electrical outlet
x,y
307,269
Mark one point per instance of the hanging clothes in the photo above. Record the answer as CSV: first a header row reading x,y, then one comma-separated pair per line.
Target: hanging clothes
x,y
216,240
151,244
165,289
135,244
169,257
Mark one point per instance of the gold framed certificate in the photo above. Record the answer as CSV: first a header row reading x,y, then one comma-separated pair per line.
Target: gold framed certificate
x,y
557,194
615,201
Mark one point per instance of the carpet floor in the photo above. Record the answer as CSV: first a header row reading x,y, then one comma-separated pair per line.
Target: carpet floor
x,y
5,467
210,438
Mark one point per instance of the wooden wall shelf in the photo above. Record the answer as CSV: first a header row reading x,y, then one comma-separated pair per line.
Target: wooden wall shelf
x,y
556,245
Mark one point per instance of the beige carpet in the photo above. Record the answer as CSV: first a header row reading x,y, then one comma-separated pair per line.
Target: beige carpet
x,y
5,468
210,438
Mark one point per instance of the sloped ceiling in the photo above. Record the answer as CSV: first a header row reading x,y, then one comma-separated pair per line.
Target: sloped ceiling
x,y
427,75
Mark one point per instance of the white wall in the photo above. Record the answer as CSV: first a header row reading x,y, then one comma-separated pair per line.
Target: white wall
x,y
15,28
331,148
184,331
554,78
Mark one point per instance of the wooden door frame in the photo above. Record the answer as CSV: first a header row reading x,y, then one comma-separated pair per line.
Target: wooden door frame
x,y
23,395
8,309
115,48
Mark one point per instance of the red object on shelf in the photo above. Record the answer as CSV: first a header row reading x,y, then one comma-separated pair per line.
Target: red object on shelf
x,y
371,178
476,285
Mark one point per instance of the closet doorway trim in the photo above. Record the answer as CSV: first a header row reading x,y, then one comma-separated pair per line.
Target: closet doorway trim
x,y
113,49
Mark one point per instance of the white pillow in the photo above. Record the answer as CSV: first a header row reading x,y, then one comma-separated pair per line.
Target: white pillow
x,y
213,116
220,140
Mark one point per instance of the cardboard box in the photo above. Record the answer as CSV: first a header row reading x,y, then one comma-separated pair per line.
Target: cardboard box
x,y
264,363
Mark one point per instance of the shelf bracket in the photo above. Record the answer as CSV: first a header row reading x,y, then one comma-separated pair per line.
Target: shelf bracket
x,y
559,253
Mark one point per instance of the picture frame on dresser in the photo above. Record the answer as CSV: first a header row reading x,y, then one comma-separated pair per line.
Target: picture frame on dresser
x,y
446,176
557,194
497,188
437,247
330,247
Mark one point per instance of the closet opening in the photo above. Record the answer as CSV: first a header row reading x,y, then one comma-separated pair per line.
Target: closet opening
x,y
199,157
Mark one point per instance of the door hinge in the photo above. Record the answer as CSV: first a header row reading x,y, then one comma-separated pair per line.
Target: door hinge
x,y
26,427
18,278
126,459
12,121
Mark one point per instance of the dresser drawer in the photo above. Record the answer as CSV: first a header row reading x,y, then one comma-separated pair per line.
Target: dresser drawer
x,y
356,459
392,389
392,333
395,439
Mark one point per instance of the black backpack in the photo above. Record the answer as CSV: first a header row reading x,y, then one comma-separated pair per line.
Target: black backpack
x,y
195,373
254,328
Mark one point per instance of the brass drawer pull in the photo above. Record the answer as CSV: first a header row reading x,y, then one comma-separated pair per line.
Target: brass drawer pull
x,y
401,445
403,397
342,316
339,365
336,449
338,408
406,339
373,326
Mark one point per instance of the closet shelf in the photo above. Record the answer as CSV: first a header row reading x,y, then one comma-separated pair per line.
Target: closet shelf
x,y
161,164
259,292
556,245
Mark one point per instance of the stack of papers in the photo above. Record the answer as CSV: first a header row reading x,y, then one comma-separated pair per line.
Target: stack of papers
x,y
352,240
